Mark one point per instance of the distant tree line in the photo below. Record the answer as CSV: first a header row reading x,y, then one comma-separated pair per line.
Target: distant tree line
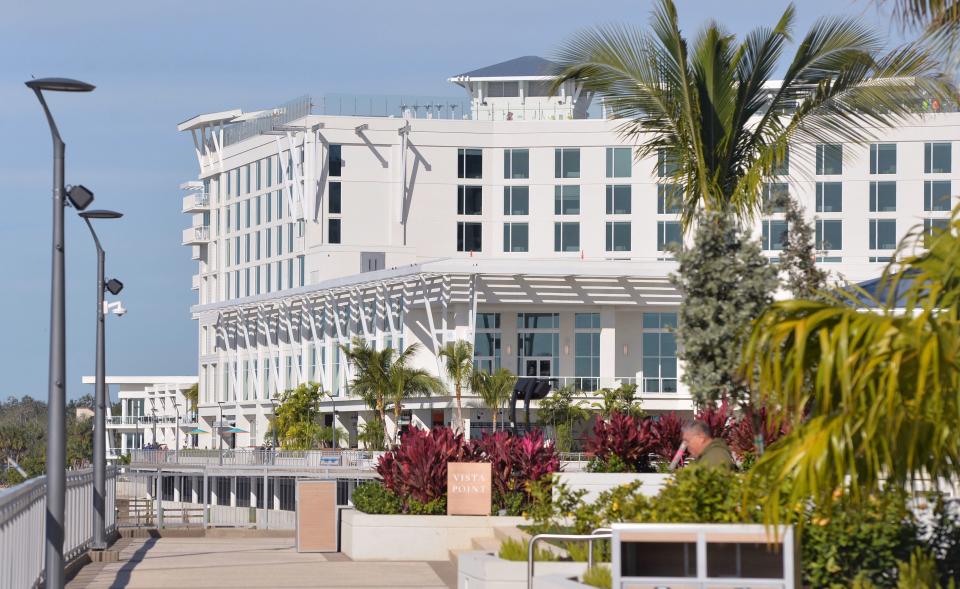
x,y
23,437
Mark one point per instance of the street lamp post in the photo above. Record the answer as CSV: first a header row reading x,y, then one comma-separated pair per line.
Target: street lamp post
x,y
176,407
100,395
54,577
220,433
154,418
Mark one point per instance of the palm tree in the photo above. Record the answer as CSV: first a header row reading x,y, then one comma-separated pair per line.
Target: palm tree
x,y
458,361
884,407
937,20
385,376
192,395
494,389
707,109
404,381
369,376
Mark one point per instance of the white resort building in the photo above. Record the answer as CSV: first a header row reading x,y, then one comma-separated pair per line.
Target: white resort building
x,y
515,220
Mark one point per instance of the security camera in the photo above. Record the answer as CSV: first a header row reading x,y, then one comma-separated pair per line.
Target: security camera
x,y
115,307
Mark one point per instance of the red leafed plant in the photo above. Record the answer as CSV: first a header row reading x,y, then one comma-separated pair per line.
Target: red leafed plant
x,y
515,460
417,468
743,434
718,419
622,440
668,431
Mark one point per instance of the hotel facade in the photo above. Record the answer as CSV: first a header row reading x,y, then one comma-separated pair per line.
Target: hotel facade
x,y
518,221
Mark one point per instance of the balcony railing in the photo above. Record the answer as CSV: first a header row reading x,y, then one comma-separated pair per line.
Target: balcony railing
x,y
196,201
22,516
196,235
345,459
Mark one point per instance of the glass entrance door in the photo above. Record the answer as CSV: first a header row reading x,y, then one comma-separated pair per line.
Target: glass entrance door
x,y
538,367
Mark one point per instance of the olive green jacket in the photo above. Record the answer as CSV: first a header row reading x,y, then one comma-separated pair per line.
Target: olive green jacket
x,y
717,454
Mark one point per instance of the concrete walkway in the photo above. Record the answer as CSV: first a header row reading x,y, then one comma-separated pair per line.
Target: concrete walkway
x,y
230,563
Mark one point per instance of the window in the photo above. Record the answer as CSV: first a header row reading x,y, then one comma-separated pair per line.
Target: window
x,y
269,242
469,237
335,160
246,248
775,196
566,237
668,235
936,158
236,182
269,198
883,234
566,162
829,159
829,197
246,214
333,206
516,163
247,186
257,211
883,197
469,163
618,199
618,236
333,230
883,158
503,89
587,351
279,240
669,199
236,250
667,165
782,167
538,88
933,227
516,237
618,162
829,234
469,200
566,200
659,353
256,165
516,200
486,344
774,234
538,321
269,167
936,195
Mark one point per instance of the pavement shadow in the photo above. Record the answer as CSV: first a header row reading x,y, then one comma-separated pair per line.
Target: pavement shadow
x,y
126,571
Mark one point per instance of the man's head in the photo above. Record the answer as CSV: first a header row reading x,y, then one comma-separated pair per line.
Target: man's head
x,y
696,435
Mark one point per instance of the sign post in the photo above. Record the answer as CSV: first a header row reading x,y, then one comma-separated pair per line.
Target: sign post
x,y
468,488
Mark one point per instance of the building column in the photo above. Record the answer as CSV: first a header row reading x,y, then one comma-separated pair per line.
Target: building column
x,y
608,346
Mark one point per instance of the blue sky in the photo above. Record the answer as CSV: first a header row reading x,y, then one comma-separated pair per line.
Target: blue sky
x,y
158,63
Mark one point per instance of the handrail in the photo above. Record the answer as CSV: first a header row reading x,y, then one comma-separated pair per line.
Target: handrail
x,y
597,534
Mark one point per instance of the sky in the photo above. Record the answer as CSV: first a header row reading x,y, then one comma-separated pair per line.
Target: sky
x,y
158,63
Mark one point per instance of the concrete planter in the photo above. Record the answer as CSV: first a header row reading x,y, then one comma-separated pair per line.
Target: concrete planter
x,y
364,536
482,570
598,482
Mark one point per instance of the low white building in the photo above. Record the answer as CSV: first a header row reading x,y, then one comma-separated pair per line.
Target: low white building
x,y
525,226
152,408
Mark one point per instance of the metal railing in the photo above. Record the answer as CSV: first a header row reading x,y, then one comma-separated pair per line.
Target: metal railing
x,y
23,522
598,534
353,459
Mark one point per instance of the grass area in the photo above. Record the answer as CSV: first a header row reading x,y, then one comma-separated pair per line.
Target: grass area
x,y
598,576
518,550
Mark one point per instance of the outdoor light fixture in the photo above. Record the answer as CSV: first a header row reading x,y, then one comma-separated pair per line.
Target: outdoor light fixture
x,y
80,197
54,577
114,286
100,391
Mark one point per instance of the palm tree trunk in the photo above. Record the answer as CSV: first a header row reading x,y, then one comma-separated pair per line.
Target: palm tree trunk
x,y
459,422
396,420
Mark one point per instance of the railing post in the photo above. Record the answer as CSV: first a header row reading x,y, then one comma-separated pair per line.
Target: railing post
x,y
206,497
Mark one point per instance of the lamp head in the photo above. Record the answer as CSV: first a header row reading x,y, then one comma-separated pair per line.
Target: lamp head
x,y
80,197
114,286
59,85
100,214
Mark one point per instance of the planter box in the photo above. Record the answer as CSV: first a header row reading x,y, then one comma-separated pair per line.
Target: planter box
x,y
482,570
598,482
414,537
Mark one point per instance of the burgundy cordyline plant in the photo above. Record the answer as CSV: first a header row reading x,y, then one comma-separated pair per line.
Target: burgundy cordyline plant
x,y
668,431
718,419
743,435
629,439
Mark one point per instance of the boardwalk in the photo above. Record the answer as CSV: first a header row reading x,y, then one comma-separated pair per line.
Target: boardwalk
x,y
249,562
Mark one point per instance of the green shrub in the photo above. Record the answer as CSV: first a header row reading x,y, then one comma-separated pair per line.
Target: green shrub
x,y
372,497
436,506
842,543
517,550
696,495
598,576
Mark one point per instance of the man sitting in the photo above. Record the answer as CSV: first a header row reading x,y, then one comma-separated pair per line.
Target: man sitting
x,y
706,449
